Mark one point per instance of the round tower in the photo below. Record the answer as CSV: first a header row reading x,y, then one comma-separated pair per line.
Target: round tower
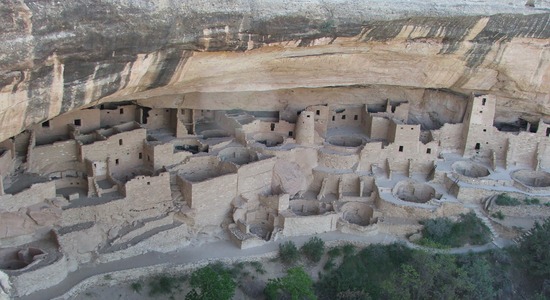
x,y
305,128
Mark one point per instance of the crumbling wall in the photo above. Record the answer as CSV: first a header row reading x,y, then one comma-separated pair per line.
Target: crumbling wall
x,y
450,137
6,162
29,282
157,118
50,158
254,179
37,193
339,161
370,155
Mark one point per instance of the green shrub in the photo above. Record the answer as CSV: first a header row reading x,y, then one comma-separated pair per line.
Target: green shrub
x,y
136,287
334,252
348,249
211,282
531,201
506,200
297,284
314,249
258,267
442,232
163,285
499,215
329,265
288,253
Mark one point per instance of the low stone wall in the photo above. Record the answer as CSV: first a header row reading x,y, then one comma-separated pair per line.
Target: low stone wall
x,y
37,193
347,227
481,181
42,278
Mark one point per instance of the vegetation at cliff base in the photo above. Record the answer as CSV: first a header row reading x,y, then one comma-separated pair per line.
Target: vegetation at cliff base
x,y
444,233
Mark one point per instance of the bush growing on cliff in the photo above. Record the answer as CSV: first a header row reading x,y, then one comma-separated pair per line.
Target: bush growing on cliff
x,y
506,200
442,232
534,250
297,284
314,249
211,282
288,253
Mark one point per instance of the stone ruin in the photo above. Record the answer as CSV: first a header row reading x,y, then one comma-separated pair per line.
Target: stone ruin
x,y
108,182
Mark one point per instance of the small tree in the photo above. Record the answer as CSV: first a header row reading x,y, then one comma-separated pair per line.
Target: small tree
x,y
210,283
314,249
288,253
296,283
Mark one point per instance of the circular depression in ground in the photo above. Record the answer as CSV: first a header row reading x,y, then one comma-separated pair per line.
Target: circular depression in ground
x,y
269,139
532,178
357,213
345,141
413,191
470,169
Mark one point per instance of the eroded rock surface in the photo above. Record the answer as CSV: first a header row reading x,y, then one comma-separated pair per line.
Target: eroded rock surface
x,y
59,56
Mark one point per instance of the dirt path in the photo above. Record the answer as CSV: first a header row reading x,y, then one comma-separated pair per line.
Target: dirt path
x,y
215,250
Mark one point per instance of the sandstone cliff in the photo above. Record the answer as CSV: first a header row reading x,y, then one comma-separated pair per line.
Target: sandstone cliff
x,y
58,56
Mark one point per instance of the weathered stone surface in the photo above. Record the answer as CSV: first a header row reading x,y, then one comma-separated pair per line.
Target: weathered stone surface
x,y
288,178
59,56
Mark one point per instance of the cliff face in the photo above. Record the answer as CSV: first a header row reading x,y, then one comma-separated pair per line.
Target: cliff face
x,y
58,56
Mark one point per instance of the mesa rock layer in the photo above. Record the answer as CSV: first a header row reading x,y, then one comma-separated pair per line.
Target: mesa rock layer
x,y
262,55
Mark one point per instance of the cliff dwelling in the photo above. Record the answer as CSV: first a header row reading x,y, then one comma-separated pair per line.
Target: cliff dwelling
x,y
78,186
235,126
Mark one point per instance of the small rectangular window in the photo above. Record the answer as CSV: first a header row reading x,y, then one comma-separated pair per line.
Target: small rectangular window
x,y
121,111
428,151
77,122
317,112
46,124
116,161
148,158
478,146
333,118
148,183
120,142
343,117
356,117
140,156
290,133
272,126
547,131
483,101
400,148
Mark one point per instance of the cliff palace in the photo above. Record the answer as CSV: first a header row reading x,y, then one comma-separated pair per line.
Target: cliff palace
x,y
151,126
